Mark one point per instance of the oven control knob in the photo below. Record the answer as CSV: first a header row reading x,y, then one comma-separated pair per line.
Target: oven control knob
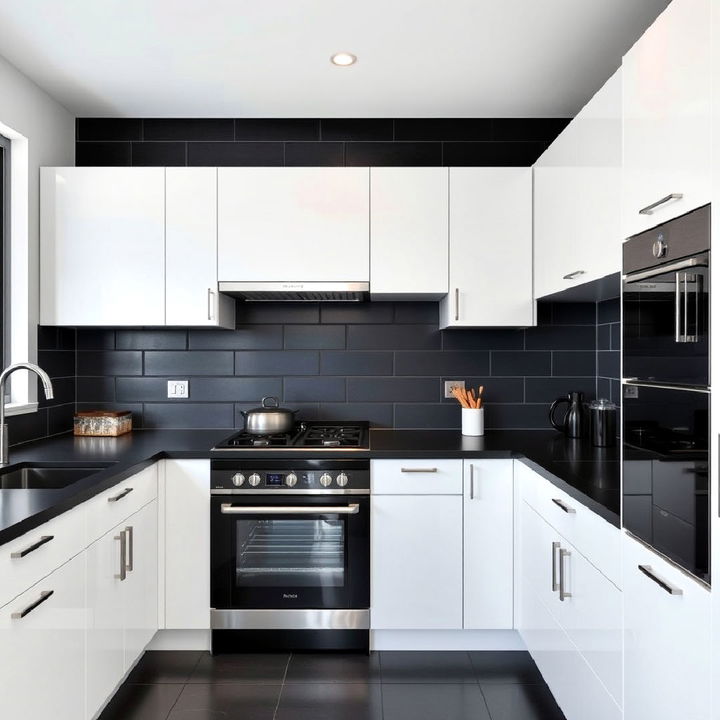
x,y
254,479
238,479
325,479
291,480
342,479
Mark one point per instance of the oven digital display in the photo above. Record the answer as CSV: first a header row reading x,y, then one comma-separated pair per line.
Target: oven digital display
x,y
274,479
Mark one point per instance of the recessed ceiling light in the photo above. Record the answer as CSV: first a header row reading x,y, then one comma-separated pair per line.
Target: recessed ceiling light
x,y
343,59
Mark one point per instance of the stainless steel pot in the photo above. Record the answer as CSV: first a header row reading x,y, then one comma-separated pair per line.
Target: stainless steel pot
x,y
269,419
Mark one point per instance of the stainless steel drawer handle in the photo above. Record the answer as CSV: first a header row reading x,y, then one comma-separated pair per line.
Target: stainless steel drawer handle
x,y
123,557
664,584
457,304
229,509
472,482
418,470
563,506
649,209
26,611
121,495
32,548
130,548
573,275
555,548
561,590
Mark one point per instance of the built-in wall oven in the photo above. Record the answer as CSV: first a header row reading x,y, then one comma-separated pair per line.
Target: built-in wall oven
x,y
666,389
290,554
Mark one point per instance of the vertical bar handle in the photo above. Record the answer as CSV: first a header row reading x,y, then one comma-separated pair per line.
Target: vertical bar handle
x,y
562,592
123,557
457,304
472,481
678,333
130,548
555,548
211,304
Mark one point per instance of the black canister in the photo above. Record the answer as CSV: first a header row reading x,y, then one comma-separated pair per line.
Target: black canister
x,y
603,423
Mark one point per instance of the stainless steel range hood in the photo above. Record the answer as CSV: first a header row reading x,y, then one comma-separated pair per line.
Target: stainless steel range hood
x,y
297,291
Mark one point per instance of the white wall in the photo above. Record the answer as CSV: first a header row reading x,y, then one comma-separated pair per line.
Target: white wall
x,y
43,133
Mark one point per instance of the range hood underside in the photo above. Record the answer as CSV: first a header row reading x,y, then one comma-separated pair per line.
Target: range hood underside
x,y
297,291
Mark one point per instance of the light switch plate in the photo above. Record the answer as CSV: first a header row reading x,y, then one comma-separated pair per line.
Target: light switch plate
x,y
178,388
450,384
630,392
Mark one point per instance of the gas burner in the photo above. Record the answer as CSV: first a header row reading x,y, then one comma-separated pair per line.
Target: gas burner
x,y
317,435
332,436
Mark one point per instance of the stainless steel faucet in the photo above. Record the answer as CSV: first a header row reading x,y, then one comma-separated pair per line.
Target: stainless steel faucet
x,y
47,386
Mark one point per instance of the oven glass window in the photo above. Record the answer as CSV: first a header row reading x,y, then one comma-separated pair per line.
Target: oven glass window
x,y
290,553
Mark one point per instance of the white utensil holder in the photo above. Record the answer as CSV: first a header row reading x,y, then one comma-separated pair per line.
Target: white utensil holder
x,y
473,421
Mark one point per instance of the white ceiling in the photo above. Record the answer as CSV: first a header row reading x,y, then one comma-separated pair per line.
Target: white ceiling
x,y
270,58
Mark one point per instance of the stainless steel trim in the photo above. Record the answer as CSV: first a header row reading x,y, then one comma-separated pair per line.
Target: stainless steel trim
x,y
230,509
664,269
555,548
649,209
287,491
296,291
574,274
123,556
27,610
418,470
457,304
661,386
562,593
120,495
664,584
130,548
290,619
678,332
31,548
563,506
472,482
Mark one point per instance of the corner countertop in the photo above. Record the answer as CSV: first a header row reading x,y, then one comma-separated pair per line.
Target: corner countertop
x,y
590,475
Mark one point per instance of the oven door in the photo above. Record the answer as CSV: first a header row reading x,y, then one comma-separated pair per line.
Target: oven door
x,y
289,551
666,323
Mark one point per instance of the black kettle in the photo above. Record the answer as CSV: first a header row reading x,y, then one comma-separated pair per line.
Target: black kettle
x,y
573,422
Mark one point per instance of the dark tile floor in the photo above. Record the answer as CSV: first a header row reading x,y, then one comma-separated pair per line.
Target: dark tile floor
x,y
383,686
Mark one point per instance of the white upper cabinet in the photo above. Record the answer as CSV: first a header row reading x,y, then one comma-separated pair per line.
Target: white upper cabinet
x,y
102,246
408,233
577,197
293,224
667,81
490,248
191,250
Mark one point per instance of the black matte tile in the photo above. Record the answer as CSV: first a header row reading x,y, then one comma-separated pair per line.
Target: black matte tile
x,y
319,389
406,154
63,392
528,128
165,666
356,129
197,362
356,363
47,338
615,336
94,339
333,667
603,388
444,129
442,363
520,363
108,154
260,313
158,154
608,311
521,702
96,389
416,312
427,417
245,337
544,312
483,339
426,667
143,389
237,701
281,362
330,701
315,337
60,418
277,129
492,154
608,364
495,389
108,129
431,702
236,389
151,339
545,390
356,313
235,154
241,668
188,129
603,337
377,414
516,417
57,363
29,426
573,364
393,389
556,337
188,415
393,337
314,154
118,362
142,702
615,391
574,313
503,667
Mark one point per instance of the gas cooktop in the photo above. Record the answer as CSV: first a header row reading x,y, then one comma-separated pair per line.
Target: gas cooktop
x,y
305,435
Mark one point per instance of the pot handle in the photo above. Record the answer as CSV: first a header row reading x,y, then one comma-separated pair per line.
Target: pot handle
x,y
559,401
267,399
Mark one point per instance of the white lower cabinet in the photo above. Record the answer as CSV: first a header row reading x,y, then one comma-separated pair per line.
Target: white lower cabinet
x,y
42,653
668,652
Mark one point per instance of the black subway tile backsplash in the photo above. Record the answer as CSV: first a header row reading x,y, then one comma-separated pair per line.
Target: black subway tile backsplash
x,y
109,129
151,154
393,337
108,154
314,389
118,362
317,337
493,153
573,363
277,129
447,362
188,129
407,154
151,339
393,389
356,363
357,129
188,415
314,154
199,362
229,154
283,362
245,337
521,363
444,129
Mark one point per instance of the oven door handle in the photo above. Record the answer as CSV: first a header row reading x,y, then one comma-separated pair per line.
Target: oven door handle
x,y
694,262
230,509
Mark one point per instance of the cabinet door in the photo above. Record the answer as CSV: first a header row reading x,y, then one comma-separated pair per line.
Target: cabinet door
x,y
141,587
293,224
416,562
490,248
191,250
42,653
187,505
667,78
488,544
408,233
667,639
102,246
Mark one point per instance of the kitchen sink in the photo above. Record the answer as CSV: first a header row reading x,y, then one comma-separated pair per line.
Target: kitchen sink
x,y
44,477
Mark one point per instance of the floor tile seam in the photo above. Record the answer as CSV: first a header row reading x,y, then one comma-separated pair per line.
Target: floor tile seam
x,y
282,686
177,699
487,705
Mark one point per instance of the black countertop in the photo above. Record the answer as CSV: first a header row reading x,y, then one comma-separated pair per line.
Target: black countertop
x,y
590,475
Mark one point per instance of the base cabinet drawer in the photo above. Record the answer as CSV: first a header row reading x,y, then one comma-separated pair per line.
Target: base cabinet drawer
x,y
416,477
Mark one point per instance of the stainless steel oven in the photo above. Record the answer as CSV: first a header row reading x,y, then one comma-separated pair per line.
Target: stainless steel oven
x,y
290,554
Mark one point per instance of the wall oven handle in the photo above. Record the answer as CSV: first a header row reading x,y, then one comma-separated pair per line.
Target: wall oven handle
x,y
650,209
678,332
230,509
693,262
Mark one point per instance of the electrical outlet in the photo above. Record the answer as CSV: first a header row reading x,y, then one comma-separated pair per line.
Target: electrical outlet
x,y
451,384
178,389
630,392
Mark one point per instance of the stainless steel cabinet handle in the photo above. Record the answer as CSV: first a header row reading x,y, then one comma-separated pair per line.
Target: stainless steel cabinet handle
x,y
31,548
228,509
211,304
664,584
573,275
26,611
130,548
418,470
561,590
563,506
649,209
472,482
457,304
123,556
121,495
555,548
